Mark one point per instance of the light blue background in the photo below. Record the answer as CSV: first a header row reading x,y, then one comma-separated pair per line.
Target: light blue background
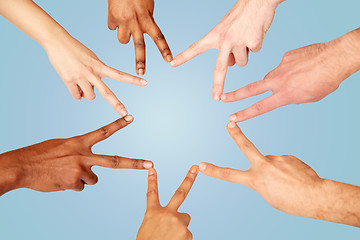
x,y
176,125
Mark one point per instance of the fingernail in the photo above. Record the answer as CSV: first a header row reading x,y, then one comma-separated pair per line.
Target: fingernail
x,y
147,165
128,118
232,118
152,171
231,124
141,71
143,82
216,96
202,166
223,97
173,62
123,112
169,58
193,169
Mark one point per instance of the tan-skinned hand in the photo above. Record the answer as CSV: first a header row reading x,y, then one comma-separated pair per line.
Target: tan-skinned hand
x,y
289,185
163,223
62,164
135,18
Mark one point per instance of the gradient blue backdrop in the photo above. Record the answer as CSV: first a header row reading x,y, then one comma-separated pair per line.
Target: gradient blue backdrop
x,y
177,124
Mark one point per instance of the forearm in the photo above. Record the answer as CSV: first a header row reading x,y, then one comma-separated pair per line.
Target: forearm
x,y
32,20
338,202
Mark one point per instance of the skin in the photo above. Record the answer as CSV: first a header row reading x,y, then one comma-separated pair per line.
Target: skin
x,y
166,222
62,164
244,27
289,185
135,18
304,75
78,67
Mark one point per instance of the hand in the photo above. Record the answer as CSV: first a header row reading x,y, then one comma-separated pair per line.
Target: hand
x,y
166,222
304,75
243,28
290,185
135,17
285,182
81,71
61,164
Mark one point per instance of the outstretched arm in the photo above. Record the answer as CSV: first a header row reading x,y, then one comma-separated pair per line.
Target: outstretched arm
x,y
79,68
290,185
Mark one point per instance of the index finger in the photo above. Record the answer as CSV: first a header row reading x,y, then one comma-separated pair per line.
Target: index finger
x,y
103,133
160,41
152,192
184,189
194,50
246,146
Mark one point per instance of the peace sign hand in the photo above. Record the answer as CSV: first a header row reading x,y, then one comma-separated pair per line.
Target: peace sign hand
x,y
285,182
61,164
166,222
135,18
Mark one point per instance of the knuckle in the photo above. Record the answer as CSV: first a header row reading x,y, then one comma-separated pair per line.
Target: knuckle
x,y
140,43
115,161
159,36
152,192
136,163
104,131
259,107
181,192
226,173
108,92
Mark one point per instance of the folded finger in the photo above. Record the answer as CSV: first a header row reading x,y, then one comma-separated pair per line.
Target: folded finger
x,y
74,90
123,34
241,56
87,89
89,178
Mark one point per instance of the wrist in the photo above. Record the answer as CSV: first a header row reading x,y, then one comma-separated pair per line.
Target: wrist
x,y
11,176
56,37
348,51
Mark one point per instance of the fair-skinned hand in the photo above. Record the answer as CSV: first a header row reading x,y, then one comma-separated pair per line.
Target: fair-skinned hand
x,y
62,164
135,18
81,71
78,67
163,223
244,27
290,185
304,75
